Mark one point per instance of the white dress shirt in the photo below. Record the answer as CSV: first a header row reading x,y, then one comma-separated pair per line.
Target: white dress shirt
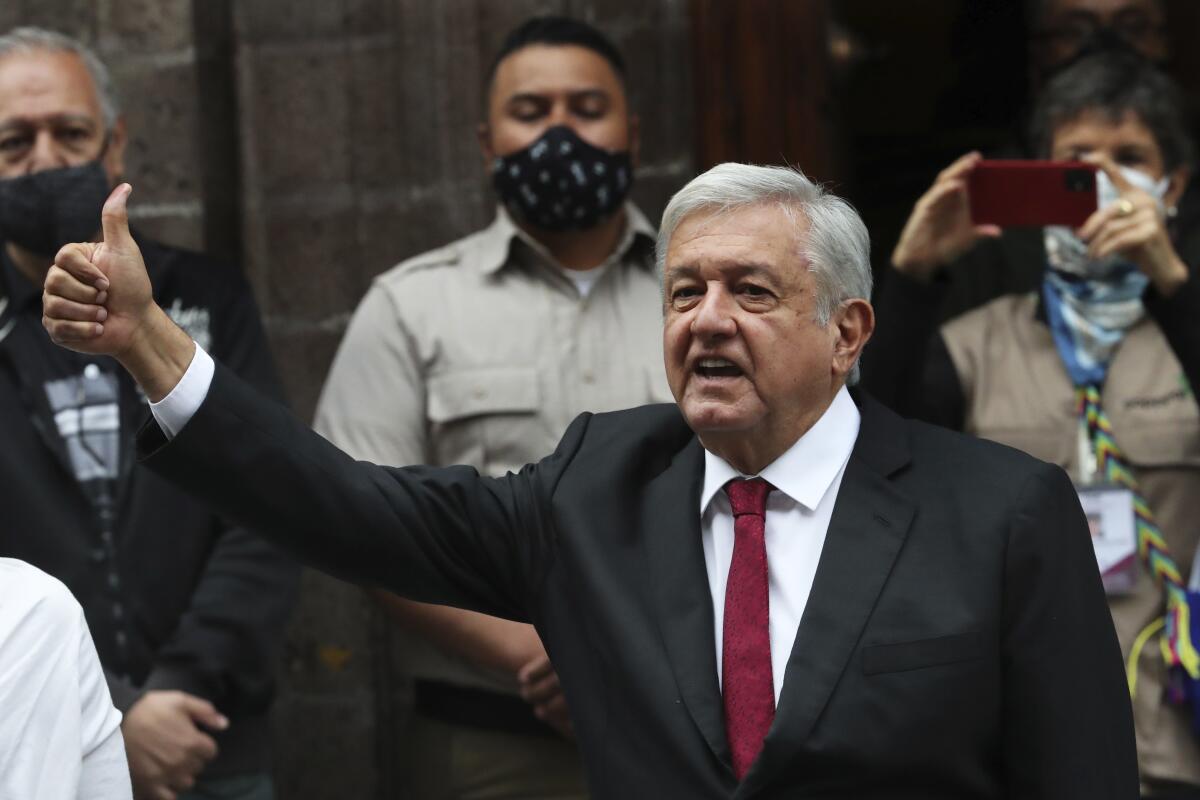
x,y
60,737
181,403
807,477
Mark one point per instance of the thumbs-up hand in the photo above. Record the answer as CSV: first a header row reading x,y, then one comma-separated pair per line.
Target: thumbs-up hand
x,y
97,295
98,300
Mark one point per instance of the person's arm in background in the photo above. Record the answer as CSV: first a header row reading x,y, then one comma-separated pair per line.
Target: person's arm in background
x,y
221,659
373,407
441,535
1177,316
906,364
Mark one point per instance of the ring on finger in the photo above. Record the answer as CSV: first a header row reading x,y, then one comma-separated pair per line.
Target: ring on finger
x,y
1124,207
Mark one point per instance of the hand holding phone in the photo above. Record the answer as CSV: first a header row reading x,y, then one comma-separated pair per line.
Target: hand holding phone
x,y
1031,193
940,229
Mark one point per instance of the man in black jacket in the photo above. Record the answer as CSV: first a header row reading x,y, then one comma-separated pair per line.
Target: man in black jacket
x,y
884,610
187,612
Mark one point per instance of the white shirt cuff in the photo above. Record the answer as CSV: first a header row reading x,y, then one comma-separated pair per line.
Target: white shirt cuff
x,y
181,403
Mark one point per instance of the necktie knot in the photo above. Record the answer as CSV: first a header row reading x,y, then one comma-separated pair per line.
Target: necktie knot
x,y
748,496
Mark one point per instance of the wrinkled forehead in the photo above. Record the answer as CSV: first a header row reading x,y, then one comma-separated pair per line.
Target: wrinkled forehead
x,y
767,236
41,83
769,225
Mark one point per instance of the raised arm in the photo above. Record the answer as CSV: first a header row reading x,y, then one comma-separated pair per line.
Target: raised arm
x,y
439,535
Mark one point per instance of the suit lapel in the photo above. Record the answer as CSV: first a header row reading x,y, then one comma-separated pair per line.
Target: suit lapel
x,y
866,532
671,520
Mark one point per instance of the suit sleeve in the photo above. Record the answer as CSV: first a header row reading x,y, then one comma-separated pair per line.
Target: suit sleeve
x,y
439,535
227,643
1176,316
1068,730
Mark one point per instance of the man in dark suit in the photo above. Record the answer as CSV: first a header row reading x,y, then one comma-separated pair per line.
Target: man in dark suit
x,y
884,609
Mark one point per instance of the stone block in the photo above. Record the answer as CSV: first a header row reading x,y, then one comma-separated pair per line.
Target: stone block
x,y
313,258
146,26
303,352
325,748
179,230
162,157
73,17
328,645
280,20
295,125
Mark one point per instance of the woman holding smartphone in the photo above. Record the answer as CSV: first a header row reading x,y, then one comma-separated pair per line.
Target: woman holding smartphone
x,y
1094,371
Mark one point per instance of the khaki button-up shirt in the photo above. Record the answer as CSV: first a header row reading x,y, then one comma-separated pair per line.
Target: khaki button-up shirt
x,y
482,352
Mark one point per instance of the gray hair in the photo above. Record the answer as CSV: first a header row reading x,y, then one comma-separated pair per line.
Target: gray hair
x,y
836,244
30,39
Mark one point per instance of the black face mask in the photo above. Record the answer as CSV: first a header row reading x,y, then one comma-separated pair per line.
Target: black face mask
x,y
562,183
45,210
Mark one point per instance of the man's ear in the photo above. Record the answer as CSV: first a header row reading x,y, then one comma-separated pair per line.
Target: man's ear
x,y
854,323
113,159
483,132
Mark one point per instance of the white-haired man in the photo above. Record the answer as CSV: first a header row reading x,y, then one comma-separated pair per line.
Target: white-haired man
x,y
774,588
187,629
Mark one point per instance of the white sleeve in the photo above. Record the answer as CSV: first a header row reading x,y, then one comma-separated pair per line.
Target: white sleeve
x,y
105,772
58,729
181,403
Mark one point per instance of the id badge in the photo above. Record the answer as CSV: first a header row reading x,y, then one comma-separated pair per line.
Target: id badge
x,y
1110,517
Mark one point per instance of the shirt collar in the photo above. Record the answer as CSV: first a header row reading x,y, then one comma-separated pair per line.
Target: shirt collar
x,y
807,469
496,243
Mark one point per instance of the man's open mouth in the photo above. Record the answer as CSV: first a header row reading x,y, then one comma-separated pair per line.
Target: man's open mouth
x,y
717,368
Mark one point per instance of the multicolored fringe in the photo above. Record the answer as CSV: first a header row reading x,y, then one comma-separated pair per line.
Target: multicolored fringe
x,y
1177,647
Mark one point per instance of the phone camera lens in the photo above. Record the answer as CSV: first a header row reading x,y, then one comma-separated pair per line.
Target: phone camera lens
x,y
1080,180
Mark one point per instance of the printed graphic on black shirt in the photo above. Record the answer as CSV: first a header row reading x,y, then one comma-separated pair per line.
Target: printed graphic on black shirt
x,y
89,421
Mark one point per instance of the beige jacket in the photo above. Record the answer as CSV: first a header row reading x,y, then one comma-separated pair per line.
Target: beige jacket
x,y
1018,393
481,353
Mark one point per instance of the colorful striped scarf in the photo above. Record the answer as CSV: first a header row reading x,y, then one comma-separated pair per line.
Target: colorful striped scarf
x,y
1178,649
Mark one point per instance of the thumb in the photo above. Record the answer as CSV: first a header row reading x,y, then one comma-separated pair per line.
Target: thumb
x,y
114,218
199,709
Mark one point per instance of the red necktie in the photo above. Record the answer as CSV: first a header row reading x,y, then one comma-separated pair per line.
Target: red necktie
x,y
748,689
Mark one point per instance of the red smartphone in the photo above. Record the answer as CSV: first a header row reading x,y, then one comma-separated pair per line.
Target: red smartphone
x,y
1032,193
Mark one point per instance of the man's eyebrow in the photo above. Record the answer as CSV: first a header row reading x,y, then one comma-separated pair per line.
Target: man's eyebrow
x,y
524,97
57,119
590,92
739,270
684,271
537,97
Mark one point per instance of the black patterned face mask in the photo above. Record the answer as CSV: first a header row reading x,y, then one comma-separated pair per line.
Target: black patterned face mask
x,y
45,210
562,183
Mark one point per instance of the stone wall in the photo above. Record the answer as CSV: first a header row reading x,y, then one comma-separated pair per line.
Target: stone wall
x,y
319,142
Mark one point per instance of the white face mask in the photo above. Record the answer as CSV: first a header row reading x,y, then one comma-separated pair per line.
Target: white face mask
x,y
1067,253
1107,194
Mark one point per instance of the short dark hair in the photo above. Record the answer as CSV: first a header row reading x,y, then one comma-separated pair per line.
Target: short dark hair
x,y
1115,84
558,31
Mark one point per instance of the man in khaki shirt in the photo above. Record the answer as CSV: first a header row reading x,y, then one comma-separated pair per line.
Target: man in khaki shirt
x,y
481,353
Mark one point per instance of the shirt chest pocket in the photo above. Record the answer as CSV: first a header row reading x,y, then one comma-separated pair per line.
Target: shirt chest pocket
x,y
486,417
1159,437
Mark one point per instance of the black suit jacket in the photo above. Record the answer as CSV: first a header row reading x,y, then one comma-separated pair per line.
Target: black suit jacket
x,y
956,643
